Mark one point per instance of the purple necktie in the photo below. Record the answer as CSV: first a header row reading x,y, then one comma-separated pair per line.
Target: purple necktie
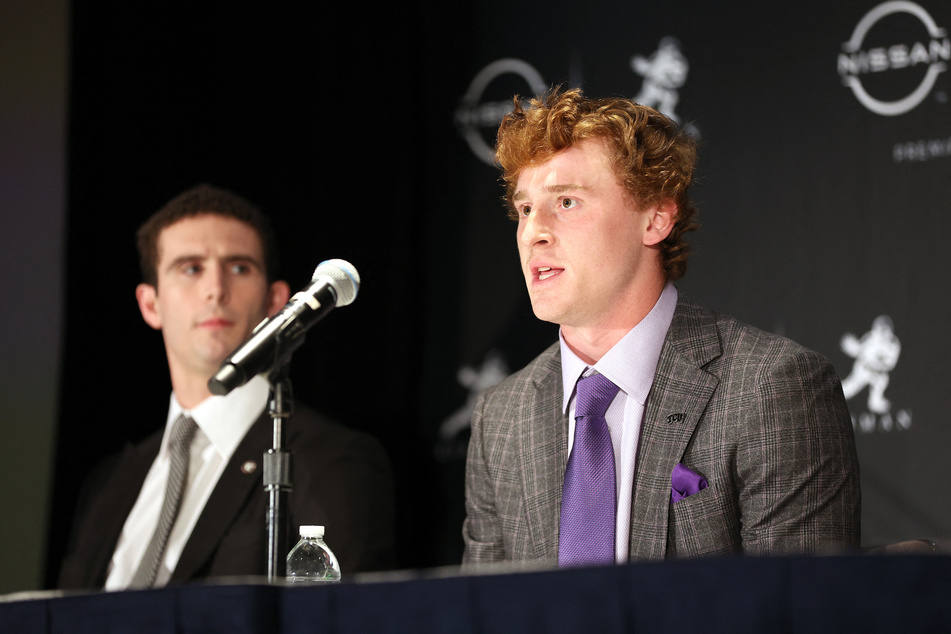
x,y
589,497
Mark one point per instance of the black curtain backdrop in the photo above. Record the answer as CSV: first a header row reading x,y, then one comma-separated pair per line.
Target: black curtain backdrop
x,y
361,131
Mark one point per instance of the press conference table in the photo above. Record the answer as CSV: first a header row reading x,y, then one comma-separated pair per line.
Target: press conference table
x,y
907,593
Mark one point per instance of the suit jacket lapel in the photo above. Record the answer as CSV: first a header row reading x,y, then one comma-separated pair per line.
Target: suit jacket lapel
x,y
679,395
543,448
230,495
118,497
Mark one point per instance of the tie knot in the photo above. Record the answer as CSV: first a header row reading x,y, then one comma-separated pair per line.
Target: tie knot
x,y
594,395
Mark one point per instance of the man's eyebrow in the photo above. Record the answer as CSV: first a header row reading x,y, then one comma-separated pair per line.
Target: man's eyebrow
x,y
551,189
228,259
242,258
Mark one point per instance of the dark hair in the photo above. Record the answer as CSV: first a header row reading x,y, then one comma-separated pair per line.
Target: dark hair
x,y
197,201
652,157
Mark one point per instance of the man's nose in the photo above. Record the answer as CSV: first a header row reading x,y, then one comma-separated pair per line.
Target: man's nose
x,y
536,229
216,282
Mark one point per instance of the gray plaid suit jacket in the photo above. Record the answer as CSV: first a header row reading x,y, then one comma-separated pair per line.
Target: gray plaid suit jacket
x,y
762,418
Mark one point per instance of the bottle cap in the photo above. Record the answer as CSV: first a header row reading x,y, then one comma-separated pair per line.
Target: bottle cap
x,y
312,532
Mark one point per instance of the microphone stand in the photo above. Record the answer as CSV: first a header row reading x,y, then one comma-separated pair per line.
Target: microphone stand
x,y
270,345
277,474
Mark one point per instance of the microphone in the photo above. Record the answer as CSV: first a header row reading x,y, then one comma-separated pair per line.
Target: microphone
x,y
335,283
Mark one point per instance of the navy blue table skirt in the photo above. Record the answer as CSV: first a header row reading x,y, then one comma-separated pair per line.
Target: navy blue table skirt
x,y
802,594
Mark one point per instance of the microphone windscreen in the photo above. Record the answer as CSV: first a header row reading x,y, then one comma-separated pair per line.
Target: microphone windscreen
x,y
342,276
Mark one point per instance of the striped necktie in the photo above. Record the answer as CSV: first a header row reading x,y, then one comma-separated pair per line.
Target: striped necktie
x,y
179,450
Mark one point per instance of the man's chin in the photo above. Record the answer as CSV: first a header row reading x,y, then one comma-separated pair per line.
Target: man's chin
x,y
548,313
216,356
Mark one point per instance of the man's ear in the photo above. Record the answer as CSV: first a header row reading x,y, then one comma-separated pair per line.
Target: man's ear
x,y
662,219
278,294
147,297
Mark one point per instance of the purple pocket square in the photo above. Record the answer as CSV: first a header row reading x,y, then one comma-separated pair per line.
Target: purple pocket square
x,y
684,483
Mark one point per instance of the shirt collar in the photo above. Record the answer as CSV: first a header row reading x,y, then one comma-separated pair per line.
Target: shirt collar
x,y
631,363
226,419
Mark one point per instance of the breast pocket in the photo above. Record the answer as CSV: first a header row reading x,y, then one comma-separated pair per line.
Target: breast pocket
x,y
703,524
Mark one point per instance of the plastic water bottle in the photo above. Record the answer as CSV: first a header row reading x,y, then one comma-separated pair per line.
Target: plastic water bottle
x,y
311,560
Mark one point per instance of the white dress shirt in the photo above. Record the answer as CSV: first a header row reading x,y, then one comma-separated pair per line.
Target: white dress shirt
x,y
222,423
630,365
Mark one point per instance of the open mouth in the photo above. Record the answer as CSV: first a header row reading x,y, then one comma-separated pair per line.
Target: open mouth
x,y
544,272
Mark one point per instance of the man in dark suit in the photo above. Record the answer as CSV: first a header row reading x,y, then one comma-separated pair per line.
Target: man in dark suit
x,y
207,259
654,428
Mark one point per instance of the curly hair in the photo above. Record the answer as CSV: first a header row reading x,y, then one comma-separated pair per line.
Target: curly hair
x,y
653,159
201,200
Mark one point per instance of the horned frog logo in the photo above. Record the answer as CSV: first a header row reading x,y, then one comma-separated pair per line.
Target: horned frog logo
x,y
875,354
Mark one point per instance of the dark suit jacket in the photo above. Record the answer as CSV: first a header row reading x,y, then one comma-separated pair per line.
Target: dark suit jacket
x,y
763,419
340,478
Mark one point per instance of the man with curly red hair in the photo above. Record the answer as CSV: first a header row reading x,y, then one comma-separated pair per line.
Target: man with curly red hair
x,y
653,428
